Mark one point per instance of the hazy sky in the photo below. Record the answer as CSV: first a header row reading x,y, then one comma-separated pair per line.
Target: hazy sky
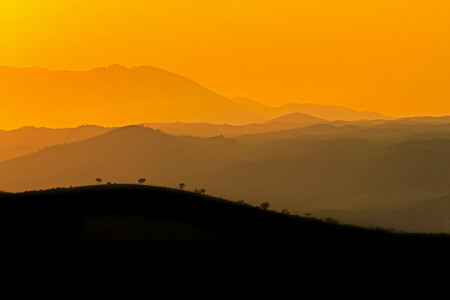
x,y
392,56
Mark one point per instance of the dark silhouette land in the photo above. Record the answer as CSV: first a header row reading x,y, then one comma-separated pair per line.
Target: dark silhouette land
x,y
139,212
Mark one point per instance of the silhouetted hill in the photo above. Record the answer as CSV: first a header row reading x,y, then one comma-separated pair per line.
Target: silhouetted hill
x,y
27,140
142,212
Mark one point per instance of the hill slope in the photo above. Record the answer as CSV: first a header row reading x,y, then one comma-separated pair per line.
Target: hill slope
x,y
141,212
121,155
425,216
16,143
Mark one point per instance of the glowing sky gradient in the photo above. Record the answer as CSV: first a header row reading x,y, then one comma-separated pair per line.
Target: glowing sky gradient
x,y
392,56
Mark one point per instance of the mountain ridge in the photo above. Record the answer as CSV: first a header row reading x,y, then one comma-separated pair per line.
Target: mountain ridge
x,y
48,98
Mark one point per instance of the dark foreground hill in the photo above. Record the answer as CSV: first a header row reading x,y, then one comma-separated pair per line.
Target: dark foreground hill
x,y
143,212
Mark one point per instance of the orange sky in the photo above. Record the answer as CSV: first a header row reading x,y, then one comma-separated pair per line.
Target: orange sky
x,y
392,56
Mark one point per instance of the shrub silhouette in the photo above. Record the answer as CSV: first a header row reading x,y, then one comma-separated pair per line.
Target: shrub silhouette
x,y
265,206
142,181
285,212
99,180
332,221
182,186
308,215
202,191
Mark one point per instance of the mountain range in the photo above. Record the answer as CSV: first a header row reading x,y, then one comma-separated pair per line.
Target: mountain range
x,y
118,96
359,167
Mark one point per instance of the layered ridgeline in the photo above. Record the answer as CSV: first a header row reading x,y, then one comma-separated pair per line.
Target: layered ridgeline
x,y
117,96
358,168
291,121
27,140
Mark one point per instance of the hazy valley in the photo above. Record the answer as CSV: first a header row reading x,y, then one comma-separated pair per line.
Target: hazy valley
x,y
358,167
389,173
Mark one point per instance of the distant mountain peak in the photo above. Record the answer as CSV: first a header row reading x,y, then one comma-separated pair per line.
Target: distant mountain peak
x,y
117,67
298,118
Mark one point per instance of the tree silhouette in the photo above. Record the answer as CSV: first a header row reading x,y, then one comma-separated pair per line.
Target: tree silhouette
x,y
182,186
265,206
308,215
99,180
142,181
285,212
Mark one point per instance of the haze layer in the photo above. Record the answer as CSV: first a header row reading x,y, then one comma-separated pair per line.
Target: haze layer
x,y
390,56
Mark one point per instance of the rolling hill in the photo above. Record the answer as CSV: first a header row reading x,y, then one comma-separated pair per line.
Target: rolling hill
x,y
126,212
